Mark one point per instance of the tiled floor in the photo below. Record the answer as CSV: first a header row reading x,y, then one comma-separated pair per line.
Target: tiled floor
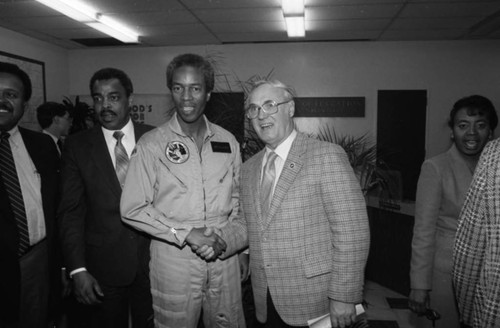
x,y
378,309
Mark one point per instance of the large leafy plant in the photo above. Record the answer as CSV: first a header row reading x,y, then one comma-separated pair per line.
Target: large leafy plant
x,y
370,169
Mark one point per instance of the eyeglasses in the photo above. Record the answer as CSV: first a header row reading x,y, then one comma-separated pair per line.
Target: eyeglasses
x,y
269,107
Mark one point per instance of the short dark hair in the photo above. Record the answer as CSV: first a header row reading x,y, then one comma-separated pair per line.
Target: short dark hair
x,y
46,112
109,73
475,105
16,71
195,61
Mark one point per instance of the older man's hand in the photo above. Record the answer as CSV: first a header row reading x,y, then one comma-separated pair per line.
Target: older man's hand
x,y
206,243
342,314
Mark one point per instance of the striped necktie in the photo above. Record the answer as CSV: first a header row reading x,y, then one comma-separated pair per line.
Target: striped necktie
x,y
13,188
266,187
121,158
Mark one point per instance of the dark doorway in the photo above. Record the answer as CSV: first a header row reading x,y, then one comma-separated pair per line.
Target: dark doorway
x,y
401,134
401,145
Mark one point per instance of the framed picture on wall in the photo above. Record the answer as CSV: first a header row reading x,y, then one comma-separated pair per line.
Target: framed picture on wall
x,y
36,71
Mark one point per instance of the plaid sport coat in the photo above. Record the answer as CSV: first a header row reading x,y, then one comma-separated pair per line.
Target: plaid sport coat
x,y
313,244
476,268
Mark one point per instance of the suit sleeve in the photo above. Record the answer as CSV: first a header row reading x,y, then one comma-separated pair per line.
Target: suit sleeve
x,y
470,242
72,210
235,232
137,201
345,208
428,202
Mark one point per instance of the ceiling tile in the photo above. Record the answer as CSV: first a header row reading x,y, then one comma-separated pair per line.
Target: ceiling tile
x,y
450,34
221,4
128,6
451,9
25,9
345,25
353,12
433,23
157,18
183,22
351,2
248,27
239,15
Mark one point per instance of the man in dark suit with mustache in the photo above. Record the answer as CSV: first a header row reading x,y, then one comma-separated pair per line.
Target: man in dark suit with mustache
x,y
29,165
107,260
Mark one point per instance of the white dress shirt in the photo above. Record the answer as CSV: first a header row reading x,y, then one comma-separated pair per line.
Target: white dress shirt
x,y
282,151
31,186
128,140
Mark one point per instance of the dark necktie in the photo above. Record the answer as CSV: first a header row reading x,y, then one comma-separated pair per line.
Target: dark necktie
x,y
266,187
13,188
121,157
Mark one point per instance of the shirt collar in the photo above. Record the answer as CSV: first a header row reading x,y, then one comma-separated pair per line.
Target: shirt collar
x,y
127,130
284,148
51,135
176,127
13,131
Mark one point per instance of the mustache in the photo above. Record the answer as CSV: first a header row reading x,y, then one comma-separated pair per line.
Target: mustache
x,y
107,112
6,106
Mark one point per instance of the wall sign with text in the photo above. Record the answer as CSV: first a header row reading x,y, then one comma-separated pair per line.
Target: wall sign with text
x,y
330,107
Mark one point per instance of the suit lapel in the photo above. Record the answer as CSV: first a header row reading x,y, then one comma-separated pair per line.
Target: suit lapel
x,y
291,168
255,171
102,159
34,150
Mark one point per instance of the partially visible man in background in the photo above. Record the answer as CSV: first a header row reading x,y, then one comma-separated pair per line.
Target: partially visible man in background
x,y
29,169
55,121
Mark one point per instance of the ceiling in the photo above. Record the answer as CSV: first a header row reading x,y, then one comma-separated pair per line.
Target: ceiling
x,y
202,22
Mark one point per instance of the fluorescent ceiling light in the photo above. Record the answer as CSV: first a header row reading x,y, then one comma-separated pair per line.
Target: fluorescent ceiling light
x,y
81,12
293,11
75,10
115,29
119,35
292,7
295,26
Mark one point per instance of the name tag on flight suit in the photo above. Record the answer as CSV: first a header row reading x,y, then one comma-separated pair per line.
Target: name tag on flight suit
x,y
220,147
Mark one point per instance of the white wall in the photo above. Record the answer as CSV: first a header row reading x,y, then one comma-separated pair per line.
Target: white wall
x,y
54,57
447,70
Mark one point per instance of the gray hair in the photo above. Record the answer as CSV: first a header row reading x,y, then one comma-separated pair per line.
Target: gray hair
x,y
290,91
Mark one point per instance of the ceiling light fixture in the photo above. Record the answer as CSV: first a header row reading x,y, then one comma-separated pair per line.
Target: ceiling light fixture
x,y
83,13
295,26
293,7
293,11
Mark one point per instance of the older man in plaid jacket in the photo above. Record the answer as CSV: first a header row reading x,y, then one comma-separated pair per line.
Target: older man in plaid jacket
x,y
309,235
476,272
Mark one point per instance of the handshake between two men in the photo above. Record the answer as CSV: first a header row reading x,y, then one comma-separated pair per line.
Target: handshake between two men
x,y
206,243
